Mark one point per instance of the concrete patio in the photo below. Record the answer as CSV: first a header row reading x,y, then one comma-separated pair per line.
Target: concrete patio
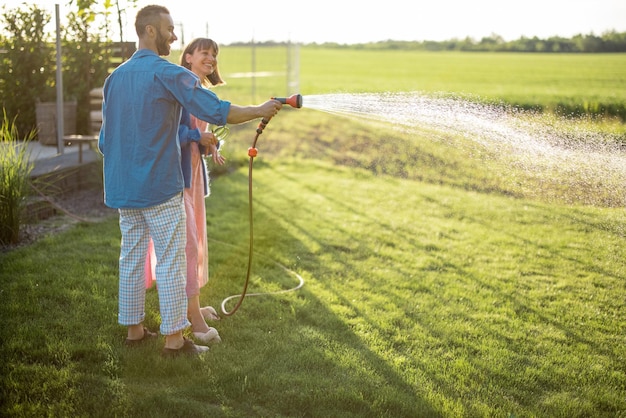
x,y
47,159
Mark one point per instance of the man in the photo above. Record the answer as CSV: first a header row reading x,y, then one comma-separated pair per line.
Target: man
x,y
141,109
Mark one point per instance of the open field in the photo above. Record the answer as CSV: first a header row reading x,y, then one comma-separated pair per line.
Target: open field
x,y
440,281
575,83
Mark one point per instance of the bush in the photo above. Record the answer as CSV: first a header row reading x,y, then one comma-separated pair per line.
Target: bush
x,y
28,60
85,62
15,169
27,66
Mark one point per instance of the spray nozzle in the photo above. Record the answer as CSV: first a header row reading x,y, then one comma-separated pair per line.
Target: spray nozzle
x,y
293,101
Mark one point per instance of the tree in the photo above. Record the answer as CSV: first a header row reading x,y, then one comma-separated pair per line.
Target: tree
x,y
86,56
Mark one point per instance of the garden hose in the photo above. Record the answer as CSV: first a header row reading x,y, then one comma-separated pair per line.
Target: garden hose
x,y
294,101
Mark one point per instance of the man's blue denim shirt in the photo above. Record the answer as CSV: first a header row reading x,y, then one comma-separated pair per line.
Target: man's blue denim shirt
x,y
141,110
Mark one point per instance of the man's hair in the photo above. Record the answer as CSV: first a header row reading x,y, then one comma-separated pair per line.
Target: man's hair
x,y
149,15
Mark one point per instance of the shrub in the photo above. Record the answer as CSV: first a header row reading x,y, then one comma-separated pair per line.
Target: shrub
x,y
27,68
28,59
86,59
15,169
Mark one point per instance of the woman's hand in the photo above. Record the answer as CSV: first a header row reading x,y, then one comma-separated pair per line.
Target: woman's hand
x,y
217,157
207,139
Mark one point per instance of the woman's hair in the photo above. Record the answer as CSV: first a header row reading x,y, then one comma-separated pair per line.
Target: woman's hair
x,y
149,15
201,44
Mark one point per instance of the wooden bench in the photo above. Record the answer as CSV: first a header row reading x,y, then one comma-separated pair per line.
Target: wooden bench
x,y
80,140
95,117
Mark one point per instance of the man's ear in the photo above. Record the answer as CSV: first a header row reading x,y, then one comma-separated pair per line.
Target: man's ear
x,y
151,31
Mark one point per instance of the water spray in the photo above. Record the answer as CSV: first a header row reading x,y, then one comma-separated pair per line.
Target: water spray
x,y
293,101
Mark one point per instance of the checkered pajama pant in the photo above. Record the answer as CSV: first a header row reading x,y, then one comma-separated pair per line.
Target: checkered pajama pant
x,y
165,223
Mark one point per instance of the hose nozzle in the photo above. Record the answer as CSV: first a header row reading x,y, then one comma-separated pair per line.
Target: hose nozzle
x,y
293,101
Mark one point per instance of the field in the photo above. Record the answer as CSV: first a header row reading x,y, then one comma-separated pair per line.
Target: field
x,y
440,279
572,83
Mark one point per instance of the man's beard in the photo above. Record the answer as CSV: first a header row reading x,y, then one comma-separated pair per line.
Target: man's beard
x,y
163,46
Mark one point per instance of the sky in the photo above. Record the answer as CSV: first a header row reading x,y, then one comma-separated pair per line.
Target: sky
x,y
361,21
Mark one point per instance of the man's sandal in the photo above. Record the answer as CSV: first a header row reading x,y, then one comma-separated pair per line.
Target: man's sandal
x,y
188,348
147,335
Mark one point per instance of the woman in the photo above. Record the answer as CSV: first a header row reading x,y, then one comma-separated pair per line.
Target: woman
x,y
200,56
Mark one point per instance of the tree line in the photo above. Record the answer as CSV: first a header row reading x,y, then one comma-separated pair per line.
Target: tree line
x,y
608,42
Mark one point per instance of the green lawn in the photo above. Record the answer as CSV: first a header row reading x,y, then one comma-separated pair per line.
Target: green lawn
x,y
440,281
422,297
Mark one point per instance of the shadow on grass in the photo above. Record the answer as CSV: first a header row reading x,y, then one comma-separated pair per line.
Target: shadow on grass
x,y
346,344
493,351
63,351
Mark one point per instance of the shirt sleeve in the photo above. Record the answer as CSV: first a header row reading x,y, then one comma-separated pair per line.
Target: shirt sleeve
x,y
199,101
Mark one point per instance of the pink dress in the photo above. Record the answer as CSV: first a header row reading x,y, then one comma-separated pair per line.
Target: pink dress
x,y
195,209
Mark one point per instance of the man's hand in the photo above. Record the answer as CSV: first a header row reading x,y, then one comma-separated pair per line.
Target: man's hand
x,y
240,114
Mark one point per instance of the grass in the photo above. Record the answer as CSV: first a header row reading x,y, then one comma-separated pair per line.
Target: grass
x,y
579,84
439,282
438,294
